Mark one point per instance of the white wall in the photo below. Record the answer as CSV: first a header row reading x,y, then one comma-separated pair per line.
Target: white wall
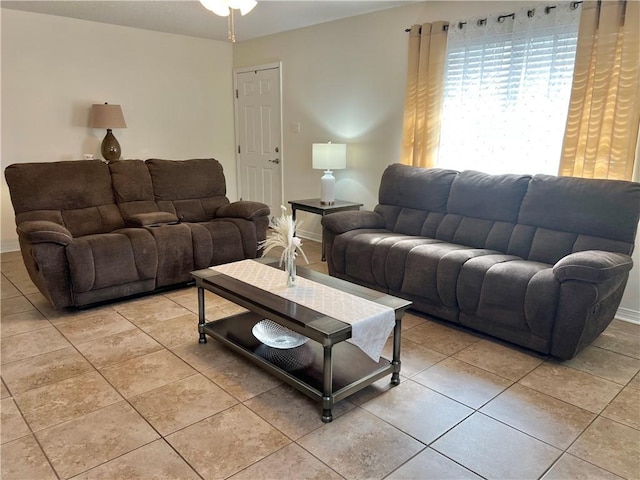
x,y
344,81
175,92
630,305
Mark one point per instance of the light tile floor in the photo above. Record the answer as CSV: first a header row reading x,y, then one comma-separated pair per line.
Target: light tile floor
x,y
125,391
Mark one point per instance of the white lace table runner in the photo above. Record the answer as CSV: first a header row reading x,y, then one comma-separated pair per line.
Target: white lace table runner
x,y
370,322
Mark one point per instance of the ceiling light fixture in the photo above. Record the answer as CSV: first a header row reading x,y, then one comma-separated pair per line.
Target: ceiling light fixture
x,y
225,8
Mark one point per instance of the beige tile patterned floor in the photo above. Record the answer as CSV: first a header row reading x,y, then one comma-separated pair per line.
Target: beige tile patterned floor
x,y
125,391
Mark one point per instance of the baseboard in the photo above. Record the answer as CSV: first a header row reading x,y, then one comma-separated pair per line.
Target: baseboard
x,y
9,246
316,237
628,315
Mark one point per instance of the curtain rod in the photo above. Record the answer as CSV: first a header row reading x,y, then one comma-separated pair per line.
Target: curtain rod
x,y
502,18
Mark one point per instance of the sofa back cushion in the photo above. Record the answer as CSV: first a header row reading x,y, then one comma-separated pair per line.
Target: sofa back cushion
x,y
409,195
76,194
489,197
575,214
482,209
191,189
132,187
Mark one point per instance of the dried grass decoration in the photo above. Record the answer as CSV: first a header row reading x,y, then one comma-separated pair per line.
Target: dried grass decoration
x,y
283,235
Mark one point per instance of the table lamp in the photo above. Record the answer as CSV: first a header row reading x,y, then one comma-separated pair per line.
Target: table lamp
x,y
327,157
108,116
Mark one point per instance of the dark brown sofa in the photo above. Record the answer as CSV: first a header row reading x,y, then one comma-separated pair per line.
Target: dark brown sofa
x,y
91,232
540,261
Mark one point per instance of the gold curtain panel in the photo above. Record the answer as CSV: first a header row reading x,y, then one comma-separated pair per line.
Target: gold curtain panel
x,y
423,101
604,113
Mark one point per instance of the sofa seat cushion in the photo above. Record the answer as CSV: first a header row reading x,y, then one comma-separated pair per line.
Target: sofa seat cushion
x,y
510,291
108,259
431,270
220,241
342,241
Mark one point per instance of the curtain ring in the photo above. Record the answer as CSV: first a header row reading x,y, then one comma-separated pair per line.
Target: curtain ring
x,y
482,21
501,18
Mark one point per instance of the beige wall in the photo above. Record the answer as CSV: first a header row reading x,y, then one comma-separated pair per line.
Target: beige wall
x,y
344,81
175,91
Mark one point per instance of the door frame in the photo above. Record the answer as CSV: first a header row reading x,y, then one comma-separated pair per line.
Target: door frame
x,y
255,68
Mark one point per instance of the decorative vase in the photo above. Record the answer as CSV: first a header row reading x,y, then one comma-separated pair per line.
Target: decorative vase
x,y
290,268
110,148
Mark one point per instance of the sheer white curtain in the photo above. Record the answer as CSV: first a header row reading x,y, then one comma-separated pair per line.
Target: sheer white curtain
x,y
507,88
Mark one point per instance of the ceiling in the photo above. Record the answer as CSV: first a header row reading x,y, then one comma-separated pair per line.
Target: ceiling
x,y
189,17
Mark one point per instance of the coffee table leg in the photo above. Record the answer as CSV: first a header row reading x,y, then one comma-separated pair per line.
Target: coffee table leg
x,y
203,337
397,335
327,385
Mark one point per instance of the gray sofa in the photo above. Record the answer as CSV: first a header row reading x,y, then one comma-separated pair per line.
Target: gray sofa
x,y
540,261
91,232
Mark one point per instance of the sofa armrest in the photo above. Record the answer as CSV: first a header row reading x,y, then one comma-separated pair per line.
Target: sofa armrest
x,y
244,209
42,231
150,218
341,222
594,266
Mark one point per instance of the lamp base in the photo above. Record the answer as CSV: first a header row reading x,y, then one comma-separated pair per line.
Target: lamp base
x,y
327,188
110,148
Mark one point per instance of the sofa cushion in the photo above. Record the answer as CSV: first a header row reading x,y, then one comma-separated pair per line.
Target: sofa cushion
x,y
396,259
64,185
109,259
520,294
339,250
186,179
131,181
432,269
193,190
220,241
76,193
600,208
490,197
417,188
91,220
132,188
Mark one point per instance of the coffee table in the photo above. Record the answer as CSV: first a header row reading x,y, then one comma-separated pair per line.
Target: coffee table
x,y
337,368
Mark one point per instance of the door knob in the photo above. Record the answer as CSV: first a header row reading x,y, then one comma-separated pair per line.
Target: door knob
x,y
276,161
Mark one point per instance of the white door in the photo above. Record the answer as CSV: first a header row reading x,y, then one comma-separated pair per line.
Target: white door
x,y
259,135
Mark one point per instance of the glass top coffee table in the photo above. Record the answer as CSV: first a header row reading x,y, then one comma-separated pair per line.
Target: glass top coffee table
x,y
326,368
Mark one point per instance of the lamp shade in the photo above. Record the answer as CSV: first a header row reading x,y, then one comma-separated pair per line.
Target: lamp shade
x,y
106,116
329,156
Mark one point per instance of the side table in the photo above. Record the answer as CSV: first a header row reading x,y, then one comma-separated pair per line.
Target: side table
x,y
313,205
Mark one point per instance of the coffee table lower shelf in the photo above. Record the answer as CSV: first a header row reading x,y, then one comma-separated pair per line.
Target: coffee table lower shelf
x,y
349,369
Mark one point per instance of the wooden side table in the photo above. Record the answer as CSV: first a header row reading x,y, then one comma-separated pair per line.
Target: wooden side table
x,y
313,205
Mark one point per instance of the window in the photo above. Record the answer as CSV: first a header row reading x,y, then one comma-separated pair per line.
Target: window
x,y
507,88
